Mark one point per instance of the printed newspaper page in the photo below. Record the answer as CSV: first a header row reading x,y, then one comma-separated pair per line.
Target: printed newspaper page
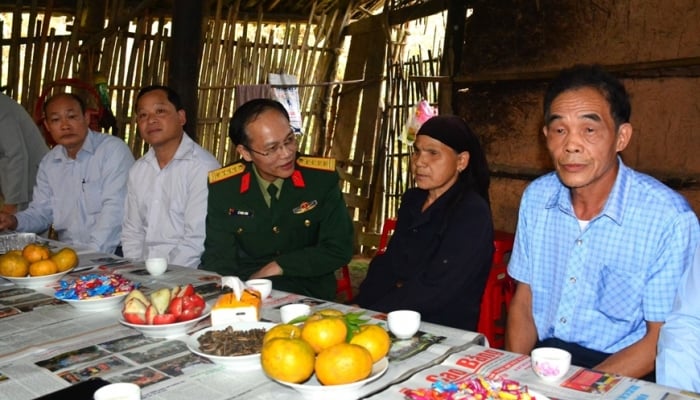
x,y
495,365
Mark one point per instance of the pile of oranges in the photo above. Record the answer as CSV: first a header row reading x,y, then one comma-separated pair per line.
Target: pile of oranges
x,y
332,344
36,260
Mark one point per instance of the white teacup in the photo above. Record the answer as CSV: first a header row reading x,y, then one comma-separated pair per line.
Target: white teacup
x,y
264,286
156,266
403,323
550,363
289,312
118,391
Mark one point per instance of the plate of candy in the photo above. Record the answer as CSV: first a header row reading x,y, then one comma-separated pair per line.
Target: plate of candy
x,y
476,388
94,292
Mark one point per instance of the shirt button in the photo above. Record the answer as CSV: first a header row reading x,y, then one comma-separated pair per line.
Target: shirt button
x,y
275,229
562,320
307,223
239,231
579,242
572,279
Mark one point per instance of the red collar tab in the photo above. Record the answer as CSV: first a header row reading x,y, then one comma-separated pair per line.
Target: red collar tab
x,y
297,179
245,182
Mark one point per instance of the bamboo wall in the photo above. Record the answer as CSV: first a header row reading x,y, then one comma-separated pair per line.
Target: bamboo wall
x,y
131,51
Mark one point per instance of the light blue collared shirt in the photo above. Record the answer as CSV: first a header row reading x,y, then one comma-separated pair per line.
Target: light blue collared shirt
x,y
678,361
596,287
83,198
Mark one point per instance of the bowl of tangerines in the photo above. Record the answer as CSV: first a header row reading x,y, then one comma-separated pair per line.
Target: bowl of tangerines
x,y
327,355
36,265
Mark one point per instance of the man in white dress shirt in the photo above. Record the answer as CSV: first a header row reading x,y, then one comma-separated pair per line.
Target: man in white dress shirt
x,y
166,203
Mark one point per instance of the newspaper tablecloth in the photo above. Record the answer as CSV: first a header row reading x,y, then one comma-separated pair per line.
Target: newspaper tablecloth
x,y
46,345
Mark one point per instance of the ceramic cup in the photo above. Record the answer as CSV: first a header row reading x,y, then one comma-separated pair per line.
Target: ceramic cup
x,y
403,323
156,266
550,363
264,286
291,311
118,391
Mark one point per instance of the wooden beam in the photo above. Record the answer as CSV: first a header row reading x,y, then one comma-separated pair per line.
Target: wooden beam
x,y
397,17
679,67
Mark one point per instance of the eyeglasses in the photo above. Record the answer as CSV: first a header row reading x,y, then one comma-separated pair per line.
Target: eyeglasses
x,y
291,143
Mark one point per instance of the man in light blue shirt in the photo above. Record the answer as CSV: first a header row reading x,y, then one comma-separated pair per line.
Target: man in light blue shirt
x,y
678,361
599,248
81,183
166,205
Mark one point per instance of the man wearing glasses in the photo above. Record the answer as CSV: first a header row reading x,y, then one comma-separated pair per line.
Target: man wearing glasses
x,y
276,214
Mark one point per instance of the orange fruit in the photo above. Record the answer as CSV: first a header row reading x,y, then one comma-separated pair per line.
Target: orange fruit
x,y
65,259
375,339
43,267
324,333
343,363
285,331
34,252
288,360
13,265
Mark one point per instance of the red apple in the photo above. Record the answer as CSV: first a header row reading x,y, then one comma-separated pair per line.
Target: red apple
x,y
176,306
134,311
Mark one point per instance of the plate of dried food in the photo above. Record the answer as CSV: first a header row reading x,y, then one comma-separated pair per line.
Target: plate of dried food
x,y
236,346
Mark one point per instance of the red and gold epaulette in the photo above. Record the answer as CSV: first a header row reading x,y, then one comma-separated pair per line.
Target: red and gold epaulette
x,y
220,174
320,163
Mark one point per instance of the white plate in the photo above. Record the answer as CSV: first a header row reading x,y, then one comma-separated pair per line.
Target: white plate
x,y
537,395
97,303
168,330
313,390
238,363
33,282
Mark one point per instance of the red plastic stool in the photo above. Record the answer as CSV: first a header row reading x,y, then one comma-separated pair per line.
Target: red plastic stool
x,y
498,293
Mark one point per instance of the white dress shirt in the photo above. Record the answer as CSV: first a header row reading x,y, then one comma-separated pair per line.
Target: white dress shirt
x,y
166,208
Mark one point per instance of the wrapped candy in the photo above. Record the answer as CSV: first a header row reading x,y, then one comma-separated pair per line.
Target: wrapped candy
x,y
93,285
477,388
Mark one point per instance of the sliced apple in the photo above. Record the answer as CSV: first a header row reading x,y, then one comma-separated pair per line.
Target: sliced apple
x,y
174,292
134,311
187,290
161,300
137,294
151,314
164,319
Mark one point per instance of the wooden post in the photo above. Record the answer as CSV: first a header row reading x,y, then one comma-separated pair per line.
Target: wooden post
x,y
451,62
185,54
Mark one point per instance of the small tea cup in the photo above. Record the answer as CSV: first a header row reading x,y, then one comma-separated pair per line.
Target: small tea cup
x,y
403,323
550,363
264,286
290,312
156,266
118,391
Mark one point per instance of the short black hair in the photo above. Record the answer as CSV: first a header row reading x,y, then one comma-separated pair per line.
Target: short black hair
x,y
248,112
73,96
595,77
173,97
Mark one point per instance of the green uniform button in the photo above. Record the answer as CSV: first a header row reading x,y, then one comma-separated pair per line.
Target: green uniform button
x,y
275,229
307,223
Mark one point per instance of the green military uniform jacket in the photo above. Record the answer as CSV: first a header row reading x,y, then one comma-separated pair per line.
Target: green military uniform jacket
x,y
308,231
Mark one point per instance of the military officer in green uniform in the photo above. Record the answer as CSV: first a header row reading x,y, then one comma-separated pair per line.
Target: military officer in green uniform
x,y
277,214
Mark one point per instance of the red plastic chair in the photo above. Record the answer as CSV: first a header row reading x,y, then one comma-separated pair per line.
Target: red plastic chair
x,y
498,293
343,283
387,230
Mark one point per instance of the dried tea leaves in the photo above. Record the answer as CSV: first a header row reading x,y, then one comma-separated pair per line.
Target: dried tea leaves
x,y
228,342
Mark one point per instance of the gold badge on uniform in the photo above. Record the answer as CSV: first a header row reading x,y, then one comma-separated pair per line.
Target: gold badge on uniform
x,y
305,206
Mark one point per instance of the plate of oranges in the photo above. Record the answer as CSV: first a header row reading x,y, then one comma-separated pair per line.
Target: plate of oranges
x,y
36,266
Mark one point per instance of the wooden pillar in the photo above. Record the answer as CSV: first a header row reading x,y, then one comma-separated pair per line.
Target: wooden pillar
x,y
452,56
185,56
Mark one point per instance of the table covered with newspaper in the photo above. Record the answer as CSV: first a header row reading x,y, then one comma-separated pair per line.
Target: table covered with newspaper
x,y
47,346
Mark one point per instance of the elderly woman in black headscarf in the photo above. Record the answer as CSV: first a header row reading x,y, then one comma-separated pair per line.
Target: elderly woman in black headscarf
x,y
439,257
